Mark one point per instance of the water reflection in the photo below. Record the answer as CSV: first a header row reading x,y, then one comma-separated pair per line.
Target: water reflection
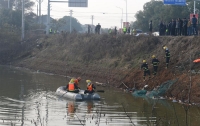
x,y
28,98
46,109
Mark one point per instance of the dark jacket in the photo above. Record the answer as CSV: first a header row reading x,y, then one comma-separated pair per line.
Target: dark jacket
x,y
180,23
185,23
161,25
167,53
194,21
155,62
173,24
169,25
150,25
144,66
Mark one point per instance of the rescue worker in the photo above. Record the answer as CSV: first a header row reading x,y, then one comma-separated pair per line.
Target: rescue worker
x,y
134,31
144,66
90,87
76,81
50,31
71,87
110,31
150,27
167,56
155,63
124,30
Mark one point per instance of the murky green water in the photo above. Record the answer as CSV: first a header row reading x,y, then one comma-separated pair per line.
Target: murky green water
x,y
28,99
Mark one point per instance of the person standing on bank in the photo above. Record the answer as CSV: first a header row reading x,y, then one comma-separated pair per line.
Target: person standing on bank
x,y
89,28
146,70
98,28
155,63
150,27
194,25
167,56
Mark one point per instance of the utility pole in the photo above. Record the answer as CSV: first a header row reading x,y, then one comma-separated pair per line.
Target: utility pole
x,y
70,21
121,25
37,10
195,5
40,19
40,11
126,14
121,18
92,23
39,2
22,37
92,19
48,17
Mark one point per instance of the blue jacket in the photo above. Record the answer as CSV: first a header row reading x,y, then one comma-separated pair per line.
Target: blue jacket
x,y
194,21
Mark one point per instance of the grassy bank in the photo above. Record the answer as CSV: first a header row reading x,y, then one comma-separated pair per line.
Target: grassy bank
x,y
111,60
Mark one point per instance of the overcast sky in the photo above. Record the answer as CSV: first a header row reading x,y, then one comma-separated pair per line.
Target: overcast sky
x,y
106,12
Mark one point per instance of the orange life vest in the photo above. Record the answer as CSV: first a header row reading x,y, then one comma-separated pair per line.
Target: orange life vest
x,y
90,87
71,87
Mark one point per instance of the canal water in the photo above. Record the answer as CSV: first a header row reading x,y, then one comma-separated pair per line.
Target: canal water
x,y
28,99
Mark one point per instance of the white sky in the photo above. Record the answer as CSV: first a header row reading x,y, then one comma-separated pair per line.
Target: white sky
x,y
105,12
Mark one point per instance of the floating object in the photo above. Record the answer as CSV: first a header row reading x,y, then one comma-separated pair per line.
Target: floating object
x,y
196,61
174,100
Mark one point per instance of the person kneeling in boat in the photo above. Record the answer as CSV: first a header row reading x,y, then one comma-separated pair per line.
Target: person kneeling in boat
x,y
76,81
72,87
90,87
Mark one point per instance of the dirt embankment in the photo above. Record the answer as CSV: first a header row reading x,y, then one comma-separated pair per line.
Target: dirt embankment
x,y
112,60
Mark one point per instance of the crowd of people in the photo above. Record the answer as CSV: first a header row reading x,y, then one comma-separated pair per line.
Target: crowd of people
x,y
178,27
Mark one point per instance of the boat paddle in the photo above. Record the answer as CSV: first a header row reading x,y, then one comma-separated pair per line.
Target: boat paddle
x,y
102,91
62,95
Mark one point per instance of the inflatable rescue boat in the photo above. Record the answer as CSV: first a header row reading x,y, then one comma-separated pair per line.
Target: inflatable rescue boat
x,y
76,96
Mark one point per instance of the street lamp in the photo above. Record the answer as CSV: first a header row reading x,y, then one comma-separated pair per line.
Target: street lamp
x,y
126,13
121,17
195,4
